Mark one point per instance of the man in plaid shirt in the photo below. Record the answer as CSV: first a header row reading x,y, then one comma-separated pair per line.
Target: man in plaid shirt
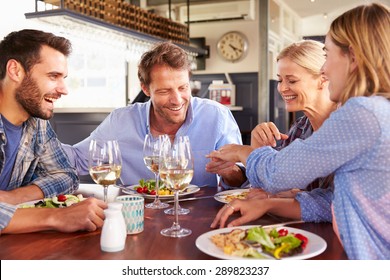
x,y
33,165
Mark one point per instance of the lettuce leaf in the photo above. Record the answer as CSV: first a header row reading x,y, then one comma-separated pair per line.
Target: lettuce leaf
x,y
259,235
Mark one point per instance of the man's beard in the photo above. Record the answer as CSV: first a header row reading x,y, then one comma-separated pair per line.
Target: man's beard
x,y
29,97
168,118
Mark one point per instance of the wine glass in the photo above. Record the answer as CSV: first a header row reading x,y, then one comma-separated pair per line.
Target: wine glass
x,y
177,170
104,163
180,210
152,159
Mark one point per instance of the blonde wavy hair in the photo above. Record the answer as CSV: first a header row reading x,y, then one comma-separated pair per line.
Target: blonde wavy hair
x,y
308,54
366,30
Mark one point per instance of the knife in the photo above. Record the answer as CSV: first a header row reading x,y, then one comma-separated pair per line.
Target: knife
x,y
191,198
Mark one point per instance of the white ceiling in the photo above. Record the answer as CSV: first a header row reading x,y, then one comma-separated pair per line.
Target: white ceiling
x,y
305,8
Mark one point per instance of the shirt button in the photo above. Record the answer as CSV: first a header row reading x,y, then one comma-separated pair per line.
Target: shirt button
x,y
25,143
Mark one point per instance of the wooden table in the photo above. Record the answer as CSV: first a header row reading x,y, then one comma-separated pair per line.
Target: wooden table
x,y
149,244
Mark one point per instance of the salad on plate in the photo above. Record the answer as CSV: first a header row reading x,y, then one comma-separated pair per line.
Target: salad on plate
x,y
59,201
146,188
259,242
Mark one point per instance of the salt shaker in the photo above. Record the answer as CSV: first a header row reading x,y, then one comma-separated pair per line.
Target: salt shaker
x,y
113,236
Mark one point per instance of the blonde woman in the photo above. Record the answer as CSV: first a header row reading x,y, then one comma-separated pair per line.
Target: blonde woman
x,y
303,88
354,142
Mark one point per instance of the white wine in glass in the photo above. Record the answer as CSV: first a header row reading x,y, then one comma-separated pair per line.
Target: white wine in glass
x,y
177,170
105,163
180,210
151,153
152,163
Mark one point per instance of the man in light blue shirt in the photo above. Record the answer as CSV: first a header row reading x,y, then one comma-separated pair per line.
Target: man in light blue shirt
x,y
164,73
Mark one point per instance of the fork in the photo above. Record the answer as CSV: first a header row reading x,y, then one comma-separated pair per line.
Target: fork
x,y
255,245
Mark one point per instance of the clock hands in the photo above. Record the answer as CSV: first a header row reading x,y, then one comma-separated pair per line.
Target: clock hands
x,y
232,46
235,48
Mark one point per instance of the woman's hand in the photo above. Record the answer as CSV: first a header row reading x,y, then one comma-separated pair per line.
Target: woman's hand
x,y
266,134
232,153
250,209
257,193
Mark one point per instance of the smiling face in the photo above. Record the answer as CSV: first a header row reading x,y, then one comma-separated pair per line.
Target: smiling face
x,y
43,84
170,95
298,88
336,68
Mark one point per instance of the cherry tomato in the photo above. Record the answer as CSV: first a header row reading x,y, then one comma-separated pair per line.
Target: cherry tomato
x,y
152,192
302,238
283,232
140,190
145,190
61,197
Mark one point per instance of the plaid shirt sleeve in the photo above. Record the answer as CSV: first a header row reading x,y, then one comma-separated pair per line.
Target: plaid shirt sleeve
x,y
6,213
300,129
54,173
42,161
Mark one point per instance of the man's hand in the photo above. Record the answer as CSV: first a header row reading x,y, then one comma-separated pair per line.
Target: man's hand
x,y
87,215
231,174
232,153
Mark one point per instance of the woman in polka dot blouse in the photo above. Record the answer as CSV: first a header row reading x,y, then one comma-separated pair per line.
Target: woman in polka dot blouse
x,y
303,87
354,142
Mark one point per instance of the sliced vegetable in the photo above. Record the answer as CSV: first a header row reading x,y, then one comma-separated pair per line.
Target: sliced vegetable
x,y
302,238
61,197
55,200
282,248
259,235
282,232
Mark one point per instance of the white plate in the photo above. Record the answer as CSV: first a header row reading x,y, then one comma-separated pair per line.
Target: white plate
x,y
29,204
222,196
189,190
88,190
315,246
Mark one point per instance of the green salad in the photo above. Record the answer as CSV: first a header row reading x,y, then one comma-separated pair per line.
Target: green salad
x,y
258,241
58,201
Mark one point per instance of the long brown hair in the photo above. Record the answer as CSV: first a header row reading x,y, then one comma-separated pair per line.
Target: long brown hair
x,y
366,30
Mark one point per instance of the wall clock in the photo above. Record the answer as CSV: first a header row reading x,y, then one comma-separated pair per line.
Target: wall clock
x,y
232,46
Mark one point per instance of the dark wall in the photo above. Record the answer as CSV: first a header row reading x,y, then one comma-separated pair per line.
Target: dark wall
x,y
71,128
246,96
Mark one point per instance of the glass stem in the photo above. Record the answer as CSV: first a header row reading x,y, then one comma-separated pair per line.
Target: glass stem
x,y
105,189
156,188
176,222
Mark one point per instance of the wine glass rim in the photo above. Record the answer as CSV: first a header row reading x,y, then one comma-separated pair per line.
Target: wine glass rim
x,y
104,140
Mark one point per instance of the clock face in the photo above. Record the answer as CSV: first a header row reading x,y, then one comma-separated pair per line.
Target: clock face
x,y
232,46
